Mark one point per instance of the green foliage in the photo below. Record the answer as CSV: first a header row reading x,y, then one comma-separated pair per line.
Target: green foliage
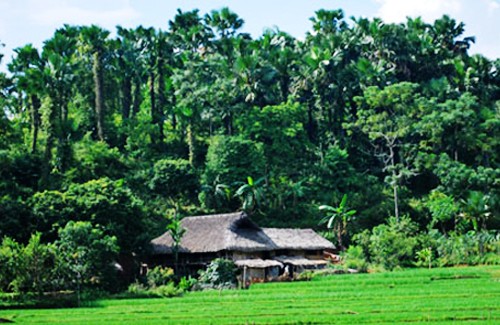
x,y
220,273
159,276
354,258
187,283
106,127
27,269
173,178
390,245
337,218
280,128
103,201
424,257
86,257
471,248
442,207
167,290
9,253
96,160
251,194
176,231
15,221
231,159
112,205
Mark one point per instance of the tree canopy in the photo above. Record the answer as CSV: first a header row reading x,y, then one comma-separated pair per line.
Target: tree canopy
x,y
110,128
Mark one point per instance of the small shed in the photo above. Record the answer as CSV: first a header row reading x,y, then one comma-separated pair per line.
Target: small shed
x,y
258,269
295,264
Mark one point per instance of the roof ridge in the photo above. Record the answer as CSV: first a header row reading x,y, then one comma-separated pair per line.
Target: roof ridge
x,y
213,216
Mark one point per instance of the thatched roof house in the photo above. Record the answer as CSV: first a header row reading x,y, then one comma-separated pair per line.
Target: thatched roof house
x,y
236,232
262,252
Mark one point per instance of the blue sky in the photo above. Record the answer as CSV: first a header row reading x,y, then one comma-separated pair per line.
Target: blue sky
x,y
33,21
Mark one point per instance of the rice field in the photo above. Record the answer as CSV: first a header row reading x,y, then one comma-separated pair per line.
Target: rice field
x,y
451,295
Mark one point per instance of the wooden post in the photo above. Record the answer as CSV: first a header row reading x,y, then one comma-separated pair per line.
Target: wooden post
x,y
245,276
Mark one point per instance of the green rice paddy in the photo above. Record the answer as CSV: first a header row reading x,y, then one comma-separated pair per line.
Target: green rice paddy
x,y
451,295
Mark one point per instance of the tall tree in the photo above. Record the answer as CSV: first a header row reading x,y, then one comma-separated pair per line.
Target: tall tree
x,y
27,68
93,41
383,117
59,53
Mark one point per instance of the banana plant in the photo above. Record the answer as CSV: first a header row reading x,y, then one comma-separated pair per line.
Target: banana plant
x,y
337,219
251,194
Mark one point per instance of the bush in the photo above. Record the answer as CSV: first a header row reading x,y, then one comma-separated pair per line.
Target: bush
x,y
471,248
159,276
187,283
85,257
354,258
136,289
168,290
173,177
220,273
390,245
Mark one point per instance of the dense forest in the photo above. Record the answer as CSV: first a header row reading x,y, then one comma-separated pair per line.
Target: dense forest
x,y
120,133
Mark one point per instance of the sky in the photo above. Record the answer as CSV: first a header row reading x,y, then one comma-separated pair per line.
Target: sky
x,y
33,21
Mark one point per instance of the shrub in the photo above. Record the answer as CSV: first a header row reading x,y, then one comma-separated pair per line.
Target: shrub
x,y
136,289
173,177
86,256
354,258
168,290
390,245
220,273
425,257
471,248
159,276
187,283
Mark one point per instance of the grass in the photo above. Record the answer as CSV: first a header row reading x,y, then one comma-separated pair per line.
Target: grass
x,y
468,294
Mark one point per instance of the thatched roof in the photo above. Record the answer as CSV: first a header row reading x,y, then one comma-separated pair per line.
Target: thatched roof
x,y
299,261
297,239
236,232
257,263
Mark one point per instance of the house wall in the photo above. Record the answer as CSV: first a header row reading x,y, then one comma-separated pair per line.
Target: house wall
x,y
236,256
190,263
259,274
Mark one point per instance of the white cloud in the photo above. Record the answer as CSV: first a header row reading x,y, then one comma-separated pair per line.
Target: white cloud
x,y
58,12
430,10
493,5
480,18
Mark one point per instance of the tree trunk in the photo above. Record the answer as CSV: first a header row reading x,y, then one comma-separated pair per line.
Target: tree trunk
x,y
174,117
127,97
137,97
394,184
310,123
396,207
35,121
161,100
191,144
339,237
98,89
50,129
152,98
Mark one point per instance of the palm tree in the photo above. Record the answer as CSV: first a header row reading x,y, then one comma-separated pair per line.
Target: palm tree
x,y
337,219
59,73
93,41
27,68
